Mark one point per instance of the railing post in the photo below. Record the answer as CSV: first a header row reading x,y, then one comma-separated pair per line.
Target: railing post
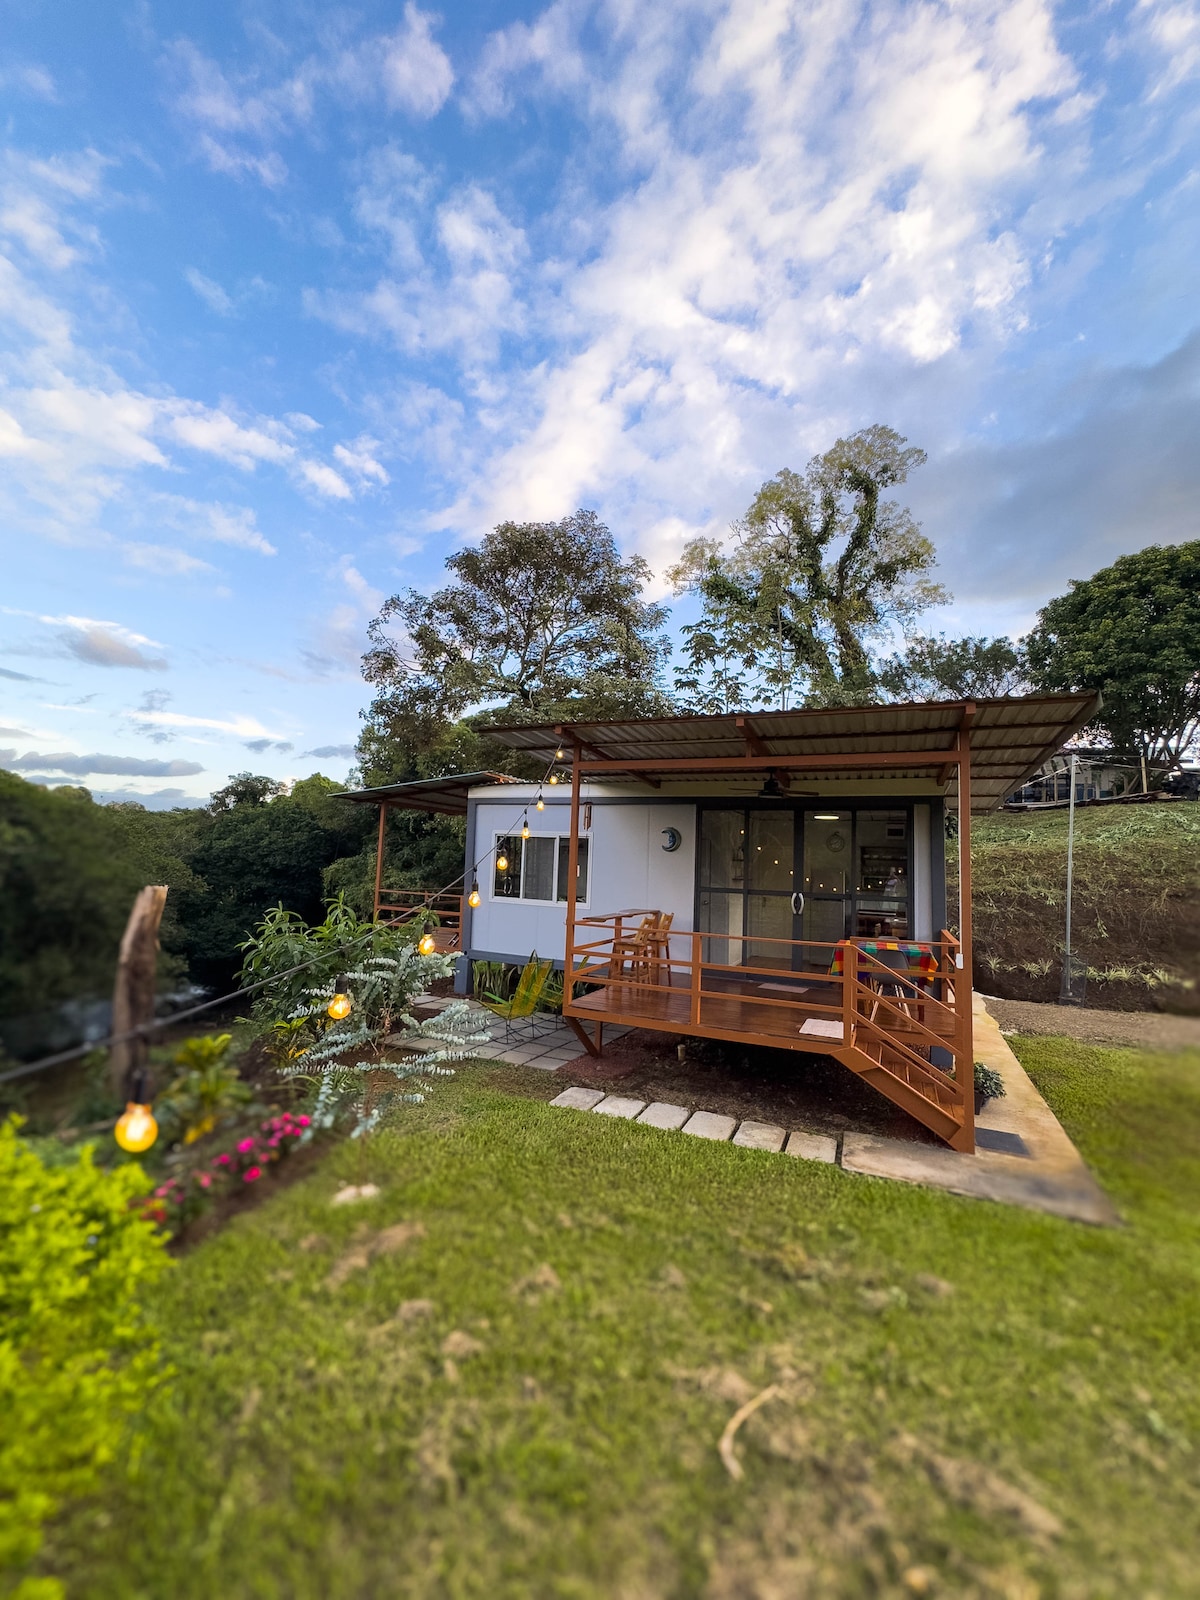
x,y
379,857
849,989
696,979
572,877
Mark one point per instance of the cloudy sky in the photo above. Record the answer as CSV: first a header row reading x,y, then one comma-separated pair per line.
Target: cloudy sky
x,y
295,298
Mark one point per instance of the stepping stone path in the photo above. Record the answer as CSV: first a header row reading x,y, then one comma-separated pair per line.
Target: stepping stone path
x,y
704,1124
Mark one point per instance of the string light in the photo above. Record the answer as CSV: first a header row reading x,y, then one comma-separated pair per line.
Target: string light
x,y
136,1128
426,944
558,755
341,1005
525,827
554,777
473,897
502,862
541,804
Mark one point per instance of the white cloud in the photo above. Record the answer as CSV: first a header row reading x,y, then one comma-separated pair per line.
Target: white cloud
x,y
81,766
416,72
163,560
211,292
359,459
242,726
324,480
339,636
215,432
103,644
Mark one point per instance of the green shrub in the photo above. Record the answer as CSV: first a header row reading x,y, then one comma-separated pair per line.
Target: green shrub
x,y
988,1082
207,1091
76,1356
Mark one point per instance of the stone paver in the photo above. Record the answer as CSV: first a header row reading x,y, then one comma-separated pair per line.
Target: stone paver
x,y
710,1125
760,1136
579,1099
619,1105
661,1115
812,1146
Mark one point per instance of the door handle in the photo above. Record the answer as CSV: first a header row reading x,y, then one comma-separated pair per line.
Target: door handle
x,y
797,903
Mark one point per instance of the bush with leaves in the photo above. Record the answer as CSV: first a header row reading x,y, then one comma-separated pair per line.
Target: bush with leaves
x,y
207,1091
76,1355
384,971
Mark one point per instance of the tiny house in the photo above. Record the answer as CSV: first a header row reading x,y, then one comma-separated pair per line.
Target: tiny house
x,y
775,879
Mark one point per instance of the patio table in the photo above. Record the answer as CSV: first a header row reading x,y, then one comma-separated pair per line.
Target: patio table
x,y
922,963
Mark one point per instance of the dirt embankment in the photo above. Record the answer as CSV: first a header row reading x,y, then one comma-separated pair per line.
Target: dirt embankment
x,y
1136,905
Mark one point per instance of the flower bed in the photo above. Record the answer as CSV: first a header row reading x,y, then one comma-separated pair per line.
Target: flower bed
x,y
179,1199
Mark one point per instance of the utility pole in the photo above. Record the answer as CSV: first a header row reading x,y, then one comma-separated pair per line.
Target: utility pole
x,y
1065,994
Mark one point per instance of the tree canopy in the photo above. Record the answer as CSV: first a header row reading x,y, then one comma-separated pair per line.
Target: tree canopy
x,y
820,568
1132,630
953,669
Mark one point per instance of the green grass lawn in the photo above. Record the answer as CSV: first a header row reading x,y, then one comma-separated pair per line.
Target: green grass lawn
x,y
969,1400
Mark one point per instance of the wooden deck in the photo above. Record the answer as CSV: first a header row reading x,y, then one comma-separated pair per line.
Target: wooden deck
x,y
907,1036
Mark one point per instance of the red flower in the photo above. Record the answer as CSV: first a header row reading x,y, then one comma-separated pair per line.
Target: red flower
x,y
251,1174
245,1146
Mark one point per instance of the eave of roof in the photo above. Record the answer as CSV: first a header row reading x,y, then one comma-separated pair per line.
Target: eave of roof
x,y
445,796
1010,738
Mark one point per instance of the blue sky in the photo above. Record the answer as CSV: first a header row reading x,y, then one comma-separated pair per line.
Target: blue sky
x,y
294,299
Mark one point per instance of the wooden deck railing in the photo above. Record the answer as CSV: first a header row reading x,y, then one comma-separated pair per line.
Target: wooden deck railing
x,y
685,987
443,910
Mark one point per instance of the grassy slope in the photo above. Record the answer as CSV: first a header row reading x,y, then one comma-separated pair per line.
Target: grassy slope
x,y
312,1445
1136,904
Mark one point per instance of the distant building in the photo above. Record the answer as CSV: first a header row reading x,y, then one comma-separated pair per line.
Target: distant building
x,y
1100,775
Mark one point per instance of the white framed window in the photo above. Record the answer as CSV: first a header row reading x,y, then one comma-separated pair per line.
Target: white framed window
x,y
537,868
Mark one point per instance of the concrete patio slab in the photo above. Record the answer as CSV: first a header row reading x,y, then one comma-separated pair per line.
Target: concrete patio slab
x,y
1052,1177
760,1136
618,1105
661,1115
579,1099
812,1146
710,1125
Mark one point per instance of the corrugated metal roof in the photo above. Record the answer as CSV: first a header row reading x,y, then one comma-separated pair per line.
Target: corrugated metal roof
x,y
446,796
1010,738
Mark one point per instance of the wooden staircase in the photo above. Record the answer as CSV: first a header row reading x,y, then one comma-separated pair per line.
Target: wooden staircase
x,y
909,1082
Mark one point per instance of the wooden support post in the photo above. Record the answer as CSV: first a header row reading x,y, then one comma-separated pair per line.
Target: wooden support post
x,y
379,856
134,989
849,990
572,884
964,986
697,948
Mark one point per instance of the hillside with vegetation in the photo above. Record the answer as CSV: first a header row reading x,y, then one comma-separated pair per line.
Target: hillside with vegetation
x,y
1136,904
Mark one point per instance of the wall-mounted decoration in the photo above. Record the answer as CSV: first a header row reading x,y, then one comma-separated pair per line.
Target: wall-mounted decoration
x,y
673,838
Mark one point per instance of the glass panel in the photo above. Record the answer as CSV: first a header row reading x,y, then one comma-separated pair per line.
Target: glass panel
x,y
883,854
772,841
721,915
825,923
539,868
770,916
507,882
881,919
722,849
581,874
827,854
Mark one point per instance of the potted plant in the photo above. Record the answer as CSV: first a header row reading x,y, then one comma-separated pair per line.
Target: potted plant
x,y
989,1085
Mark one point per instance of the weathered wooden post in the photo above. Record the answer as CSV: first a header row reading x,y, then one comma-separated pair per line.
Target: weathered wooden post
x,y
134,990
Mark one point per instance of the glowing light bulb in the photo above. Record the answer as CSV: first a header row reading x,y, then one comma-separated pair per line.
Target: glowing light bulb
x,y
502,862
541,805
426,944
340,1006
136,1129
554,777
558,755
525,829
473,897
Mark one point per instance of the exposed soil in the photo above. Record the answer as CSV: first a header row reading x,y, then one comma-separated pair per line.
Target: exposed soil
x,y
782,1087
1144,1030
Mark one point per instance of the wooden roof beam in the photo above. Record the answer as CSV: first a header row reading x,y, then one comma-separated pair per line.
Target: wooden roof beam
x,y
924,759
596,754
755,744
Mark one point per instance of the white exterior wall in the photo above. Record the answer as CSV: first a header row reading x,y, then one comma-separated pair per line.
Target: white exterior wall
x,y
627,868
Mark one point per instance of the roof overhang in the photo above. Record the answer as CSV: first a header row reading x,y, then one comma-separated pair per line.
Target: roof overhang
x,y
1009,740
442,796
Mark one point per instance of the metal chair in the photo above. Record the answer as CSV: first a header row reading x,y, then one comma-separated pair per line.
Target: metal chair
x,y
902,992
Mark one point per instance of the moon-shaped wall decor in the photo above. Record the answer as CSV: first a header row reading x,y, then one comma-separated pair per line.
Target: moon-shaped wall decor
x,y
673,837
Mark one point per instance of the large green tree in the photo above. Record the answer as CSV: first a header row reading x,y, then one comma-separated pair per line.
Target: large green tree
x,y
1132,631
953,669
820,568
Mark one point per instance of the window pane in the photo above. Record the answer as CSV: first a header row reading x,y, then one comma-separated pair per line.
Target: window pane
x,y
883,854
722,849
769,915
772,839
827,853
721,916
881,919
507,883
564,862
539,869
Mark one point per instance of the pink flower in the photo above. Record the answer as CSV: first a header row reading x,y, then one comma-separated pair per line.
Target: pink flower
x,y
245,1146
204,1179
251,1174
222,1160
304,1121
